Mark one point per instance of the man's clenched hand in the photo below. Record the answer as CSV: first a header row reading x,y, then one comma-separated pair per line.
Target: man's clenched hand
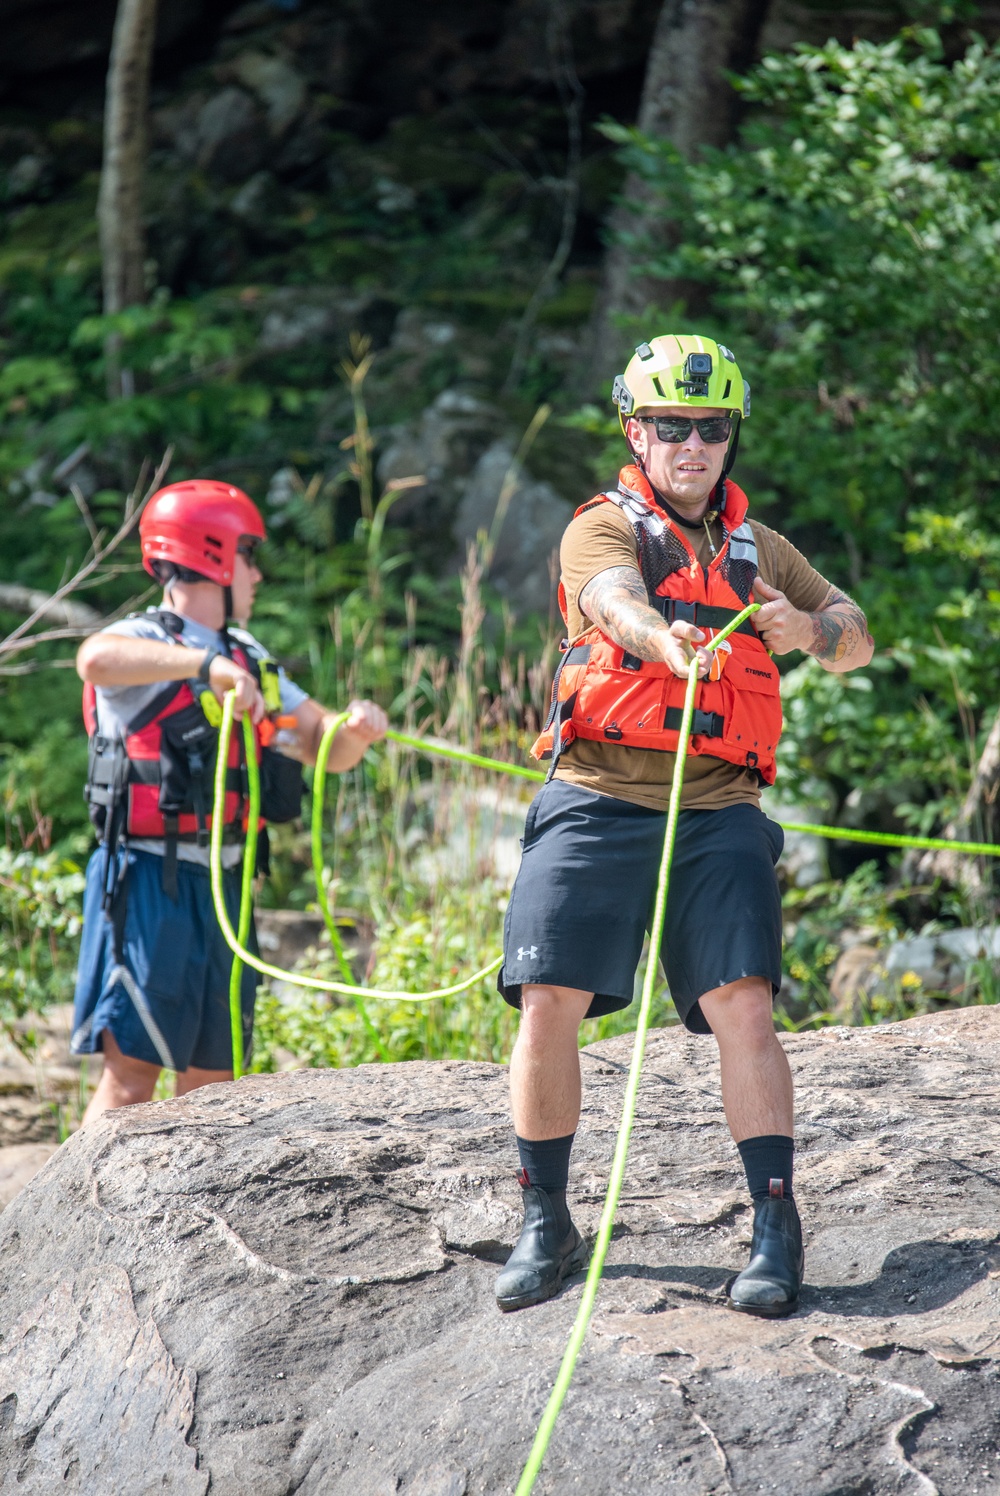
x,y
782,627
225,675
367,722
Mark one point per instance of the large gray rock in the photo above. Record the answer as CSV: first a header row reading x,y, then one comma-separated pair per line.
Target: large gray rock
x,y
467,465
527,542
286,1285
955,962
442,447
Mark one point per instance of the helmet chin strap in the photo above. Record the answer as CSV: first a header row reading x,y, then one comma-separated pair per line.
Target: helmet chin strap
x,y
719,497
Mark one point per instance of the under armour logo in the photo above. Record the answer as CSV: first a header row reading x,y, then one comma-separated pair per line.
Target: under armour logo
x,y
529,954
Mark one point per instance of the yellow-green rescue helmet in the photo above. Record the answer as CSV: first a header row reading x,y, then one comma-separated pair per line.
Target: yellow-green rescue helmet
x,y
678,369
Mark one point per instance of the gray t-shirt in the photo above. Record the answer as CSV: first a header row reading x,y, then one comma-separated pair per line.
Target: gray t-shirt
x,y
119,705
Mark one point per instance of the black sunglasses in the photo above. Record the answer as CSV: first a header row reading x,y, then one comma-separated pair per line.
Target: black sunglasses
x,y
248,548
711,429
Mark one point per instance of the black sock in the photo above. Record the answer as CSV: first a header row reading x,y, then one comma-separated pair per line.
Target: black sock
x,y
765,1160
546,1163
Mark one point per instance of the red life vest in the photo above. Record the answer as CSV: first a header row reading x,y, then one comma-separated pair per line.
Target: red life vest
x,y
157,779
604,694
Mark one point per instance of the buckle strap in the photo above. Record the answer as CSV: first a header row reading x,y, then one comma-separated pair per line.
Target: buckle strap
x,y
169,869
703,724
563,712
578,655
702,615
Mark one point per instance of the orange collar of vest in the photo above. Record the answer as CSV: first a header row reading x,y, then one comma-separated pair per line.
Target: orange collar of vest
x,y
634,481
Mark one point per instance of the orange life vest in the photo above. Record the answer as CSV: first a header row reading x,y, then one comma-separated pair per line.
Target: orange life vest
x,y
603,693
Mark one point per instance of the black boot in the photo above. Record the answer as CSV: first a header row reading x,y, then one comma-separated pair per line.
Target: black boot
x,y
770,1284
547,1251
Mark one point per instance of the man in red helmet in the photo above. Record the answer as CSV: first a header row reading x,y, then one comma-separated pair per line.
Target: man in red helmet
x,y
153,982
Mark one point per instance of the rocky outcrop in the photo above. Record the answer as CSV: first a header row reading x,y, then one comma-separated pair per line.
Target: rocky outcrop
x,y
951,963
39,1082
467,466
286,1286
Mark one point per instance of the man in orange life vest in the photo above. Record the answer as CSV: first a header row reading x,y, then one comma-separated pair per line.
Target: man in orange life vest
x,y
649,571
153,980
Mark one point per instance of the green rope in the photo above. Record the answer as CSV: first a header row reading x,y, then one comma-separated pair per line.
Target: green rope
x,y
832,833
462,756
238,947
246,887
887,839
552,1408
322,897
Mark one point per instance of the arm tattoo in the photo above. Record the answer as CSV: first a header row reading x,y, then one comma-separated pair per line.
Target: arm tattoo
x,y
617,601
839,628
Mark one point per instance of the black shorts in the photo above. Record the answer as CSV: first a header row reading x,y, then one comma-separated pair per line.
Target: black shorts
x,y
583,900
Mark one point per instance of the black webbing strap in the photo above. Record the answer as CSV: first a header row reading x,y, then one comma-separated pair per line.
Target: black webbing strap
x,y
563,712
170,829
703,724
119,907
578,655
196,764
702,615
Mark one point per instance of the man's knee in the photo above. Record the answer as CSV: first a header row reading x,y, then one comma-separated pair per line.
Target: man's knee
x,y
552,1011
741,1010
129,1080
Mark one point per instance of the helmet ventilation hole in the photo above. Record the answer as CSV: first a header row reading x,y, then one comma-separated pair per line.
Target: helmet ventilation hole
x,y
658,388
725,392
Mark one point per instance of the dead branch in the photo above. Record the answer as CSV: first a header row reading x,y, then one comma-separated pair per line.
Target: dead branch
x,y
17,599
570,92
100,550
119,205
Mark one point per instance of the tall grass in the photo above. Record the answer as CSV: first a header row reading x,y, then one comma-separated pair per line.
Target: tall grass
x,y
422,848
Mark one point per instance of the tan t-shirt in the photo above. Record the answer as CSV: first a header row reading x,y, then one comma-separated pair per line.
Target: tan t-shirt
x,y
601,538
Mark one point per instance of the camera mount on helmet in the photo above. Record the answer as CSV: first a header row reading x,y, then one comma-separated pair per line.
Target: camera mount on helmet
x,y
697,373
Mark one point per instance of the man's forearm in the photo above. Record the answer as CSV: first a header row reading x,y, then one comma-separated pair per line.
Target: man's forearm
x,y
840,637
117,660
616,600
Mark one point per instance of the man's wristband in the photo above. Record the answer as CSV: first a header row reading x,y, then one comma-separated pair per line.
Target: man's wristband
x,y
206,665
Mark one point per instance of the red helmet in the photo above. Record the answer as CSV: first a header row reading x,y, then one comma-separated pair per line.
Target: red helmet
x,y
198,524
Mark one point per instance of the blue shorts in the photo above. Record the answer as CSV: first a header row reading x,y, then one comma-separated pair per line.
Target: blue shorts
x,y
168,1002
583,900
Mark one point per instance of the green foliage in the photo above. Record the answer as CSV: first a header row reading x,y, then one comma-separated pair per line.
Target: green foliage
x,y
431,938
849,250
40,907
815,918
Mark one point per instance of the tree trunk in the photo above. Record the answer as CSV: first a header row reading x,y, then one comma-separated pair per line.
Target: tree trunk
x,y
686,100
119,203
978,820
